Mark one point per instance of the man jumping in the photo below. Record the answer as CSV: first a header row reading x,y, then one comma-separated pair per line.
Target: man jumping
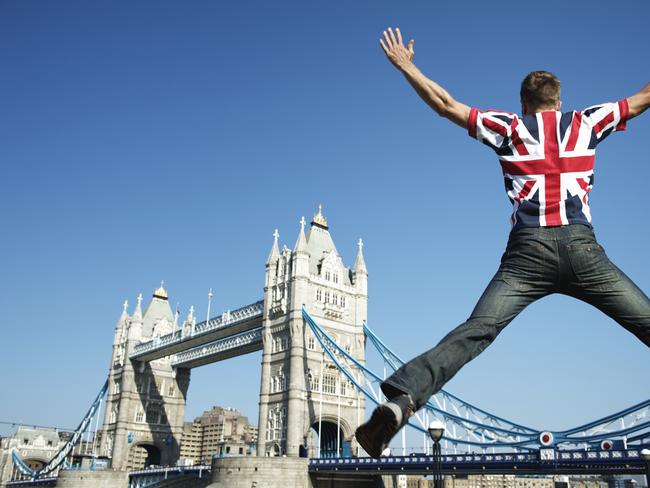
x,y
547,157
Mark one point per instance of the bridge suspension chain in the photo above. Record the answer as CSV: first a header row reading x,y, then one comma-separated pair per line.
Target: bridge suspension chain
x,y
60,457
479,428
466,431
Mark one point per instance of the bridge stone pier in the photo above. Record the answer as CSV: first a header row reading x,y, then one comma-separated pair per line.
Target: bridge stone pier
x,y
307,407
285,472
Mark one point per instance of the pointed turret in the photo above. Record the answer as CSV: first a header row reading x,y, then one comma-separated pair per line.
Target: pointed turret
x,y
300,253
360,264
137,313
125,313
275,251
122,324
360,272
135,329
301,243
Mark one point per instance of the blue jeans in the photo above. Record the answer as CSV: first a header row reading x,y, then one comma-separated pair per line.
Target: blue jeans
x,y
537,262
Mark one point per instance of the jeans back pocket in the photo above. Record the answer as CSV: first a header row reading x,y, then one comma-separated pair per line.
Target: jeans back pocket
x,y
591,266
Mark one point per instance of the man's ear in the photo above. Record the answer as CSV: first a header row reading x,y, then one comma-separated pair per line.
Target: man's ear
x,y
558,105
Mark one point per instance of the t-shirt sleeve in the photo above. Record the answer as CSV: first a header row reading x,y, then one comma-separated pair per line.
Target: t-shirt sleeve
x,y
606,118
492,128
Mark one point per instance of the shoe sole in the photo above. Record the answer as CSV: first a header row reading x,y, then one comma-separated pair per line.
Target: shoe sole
x,y
375,435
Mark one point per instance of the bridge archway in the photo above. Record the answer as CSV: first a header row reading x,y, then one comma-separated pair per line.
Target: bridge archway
x,y
332,442
144,455
33,463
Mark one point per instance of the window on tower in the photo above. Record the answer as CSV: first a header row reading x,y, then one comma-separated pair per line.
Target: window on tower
x,y
329,383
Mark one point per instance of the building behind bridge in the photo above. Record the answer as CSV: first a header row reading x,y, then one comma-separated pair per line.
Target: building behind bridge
x,y
218,432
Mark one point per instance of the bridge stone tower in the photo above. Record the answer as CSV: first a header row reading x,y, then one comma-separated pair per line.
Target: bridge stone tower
x,y
302,394
145,403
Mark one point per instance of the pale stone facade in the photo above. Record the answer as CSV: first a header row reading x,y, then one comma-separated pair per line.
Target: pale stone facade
x,y
301,391
36,446
218,432
145,403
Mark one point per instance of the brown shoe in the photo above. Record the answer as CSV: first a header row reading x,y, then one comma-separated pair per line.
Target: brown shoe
x,y
386,420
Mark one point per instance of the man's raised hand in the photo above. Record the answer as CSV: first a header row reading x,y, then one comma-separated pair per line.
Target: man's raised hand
x,y
395,51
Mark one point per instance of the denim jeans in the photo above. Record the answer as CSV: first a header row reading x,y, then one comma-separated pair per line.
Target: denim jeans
x,y
537,262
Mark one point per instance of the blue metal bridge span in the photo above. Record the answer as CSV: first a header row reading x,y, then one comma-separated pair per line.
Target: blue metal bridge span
x,y
549,462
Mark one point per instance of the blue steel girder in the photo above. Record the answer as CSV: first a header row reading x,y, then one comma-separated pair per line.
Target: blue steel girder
x,y
227,348
225,325
35,482
565,462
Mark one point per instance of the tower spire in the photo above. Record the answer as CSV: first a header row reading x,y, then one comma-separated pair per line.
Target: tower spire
x,y
160,291
319,219
360,264
125,310
275,251
301,243
137,313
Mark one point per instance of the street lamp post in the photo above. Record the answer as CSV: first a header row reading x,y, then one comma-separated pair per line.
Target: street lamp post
x,y
645,454
436,431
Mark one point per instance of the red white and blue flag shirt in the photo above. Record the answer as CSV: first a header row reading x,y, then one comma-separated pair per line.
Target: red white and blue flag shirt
x,y
547,159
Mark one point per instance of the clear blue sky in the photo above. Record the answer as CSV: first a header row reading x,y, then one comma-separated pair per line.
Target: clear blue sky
x,y
152,140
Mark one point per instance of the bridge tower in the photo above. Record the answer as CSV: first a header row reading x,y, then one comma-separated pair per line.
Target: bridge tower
x,y
145,403
307,407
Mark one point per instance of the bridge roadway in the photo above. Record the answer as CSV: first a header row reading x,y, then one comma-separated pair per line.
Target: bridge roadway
x,y
206,334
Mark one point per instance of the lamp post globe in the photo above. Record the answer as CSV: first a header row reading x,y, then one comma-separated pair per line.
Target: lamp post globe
x,y
436,430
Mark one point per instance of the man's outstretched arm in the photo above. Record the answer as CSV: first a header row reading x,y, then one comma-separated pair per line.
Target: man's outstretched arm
x,y
433,94
639,102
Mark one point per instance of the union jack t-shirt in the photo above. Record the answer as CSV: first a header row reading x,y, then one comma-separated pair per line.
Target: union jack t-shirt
x,y
547,159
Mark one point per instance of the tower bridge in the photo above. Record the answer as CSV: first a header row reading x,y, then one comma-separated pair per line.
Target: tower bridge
x,y
311,328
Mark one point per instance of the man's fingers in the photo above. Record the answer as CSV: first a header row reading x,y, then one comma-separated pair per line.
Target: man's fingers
x,y
392,36
411,43
399,35
388,41
383,46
